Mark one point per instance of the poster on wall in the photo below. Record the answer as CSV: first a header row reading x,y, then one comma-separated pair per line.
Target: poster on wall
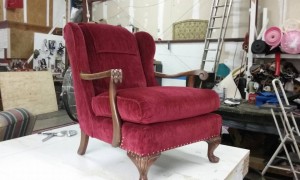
x,y
49,53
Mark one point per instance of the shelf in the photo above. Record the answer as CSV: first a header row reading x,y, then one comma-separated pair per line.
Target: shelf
x,y
283,56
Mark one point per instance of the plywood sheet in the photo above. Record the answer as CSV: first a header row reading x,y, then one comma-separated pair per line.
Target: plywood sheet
x,y
36,12
16,15
1,12
33,91
21,43
51,13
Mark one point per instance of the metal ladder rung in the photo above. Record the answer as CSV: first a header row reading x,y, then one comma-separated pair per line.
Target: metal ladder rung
x,y
209,60
283,168
215,27
210,49
297,138
218,16
220,6
212,39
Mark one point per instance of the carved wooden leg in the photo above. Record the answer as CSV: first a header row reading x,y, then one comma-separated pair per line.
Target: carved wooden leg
x,y
213,143
143,163
83,143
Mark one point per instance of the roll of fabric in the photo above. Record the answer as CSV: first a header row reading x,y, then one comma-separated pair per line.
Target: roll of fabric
x,y
290,42
273,36
259,47
277,63
16,122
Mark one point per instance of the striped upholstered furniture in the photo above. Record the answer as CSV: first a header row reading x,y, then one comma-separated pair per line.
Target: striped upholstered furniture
x,y
190,29
15,123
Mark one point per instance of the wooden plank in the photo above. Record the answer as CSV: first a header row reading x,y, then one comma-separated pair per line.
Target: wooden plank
x,y
1,11
50,13
16,15
21,43
33,91
36,12
25,26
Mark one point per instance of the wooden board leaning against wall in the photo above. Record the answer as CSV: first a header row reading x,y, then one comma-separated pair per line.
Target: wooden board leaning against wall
x,y
36,91
1,12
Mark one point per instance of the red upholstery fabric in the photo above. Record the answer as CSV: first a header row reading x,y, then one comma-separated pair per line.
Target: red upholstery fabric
x,y
147,50
158,104
120,53
149,139
84,90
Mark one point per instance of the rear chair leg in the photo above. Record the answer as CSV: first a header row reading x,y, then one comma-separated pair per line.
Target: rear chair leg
x,y
143,163
213,143
83,143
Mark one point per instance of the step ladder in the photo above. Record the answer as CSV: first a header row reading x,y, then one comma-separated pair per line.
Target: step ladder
x,y
216,31
288,133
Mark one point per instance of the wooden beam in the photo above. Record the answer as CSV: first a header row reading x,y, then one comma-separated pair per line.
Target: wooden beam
x,y
28,27
1,11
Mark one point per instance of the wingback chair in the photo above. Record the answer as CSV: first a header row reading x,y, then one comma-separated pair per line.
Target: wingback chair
x,y
119,102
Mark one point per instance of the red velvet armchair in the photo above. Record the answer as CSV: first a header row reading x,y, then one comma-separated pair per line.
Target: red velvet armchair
x,y
119,102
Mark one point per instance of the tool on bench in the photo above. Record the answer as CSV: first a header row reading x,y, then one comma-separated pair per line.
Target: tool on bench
x,y
58,134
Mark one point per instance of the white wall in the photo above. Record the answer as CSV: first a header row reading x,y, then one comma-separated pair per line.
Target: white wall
x,y
59,12
280,10
179,57
157,16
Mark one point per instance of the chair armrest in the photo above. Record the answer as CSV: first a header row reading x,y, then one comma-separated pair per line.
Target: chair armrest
x,y
203,75
115,78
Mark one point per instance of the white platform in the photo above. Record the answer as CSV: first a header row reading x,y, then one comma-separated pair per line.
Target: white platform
x,y
29,158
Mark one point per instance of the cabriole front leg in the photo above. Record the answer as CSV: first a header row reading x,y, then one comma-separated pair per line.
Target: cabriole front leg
x,y
143,163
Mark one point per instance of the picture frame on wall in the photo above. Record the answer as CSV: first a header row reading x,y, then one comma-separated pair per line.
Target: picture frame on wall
x,y
49,54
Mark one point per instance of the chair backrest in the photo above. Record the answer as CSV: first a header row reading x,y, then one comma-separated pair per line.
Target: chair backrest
x,y
94,48
113,47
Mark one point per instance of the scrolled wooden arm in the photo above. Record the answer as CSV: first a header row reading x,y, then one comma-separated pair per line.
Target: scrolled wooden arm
x,y
115,78
203,75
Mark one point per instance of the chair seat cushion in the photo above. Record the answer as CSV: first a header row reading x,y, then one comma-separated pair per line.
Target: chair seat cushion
x,y
146,105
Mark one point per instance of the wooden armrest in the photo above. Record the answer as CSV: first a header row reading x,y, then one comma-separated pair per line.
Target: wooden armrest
x,y
203,75
99,75
115,78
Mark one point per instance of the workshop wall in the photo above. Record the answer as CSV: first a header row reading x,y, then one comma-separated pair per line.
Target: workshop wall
x,y
280,10
157,17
